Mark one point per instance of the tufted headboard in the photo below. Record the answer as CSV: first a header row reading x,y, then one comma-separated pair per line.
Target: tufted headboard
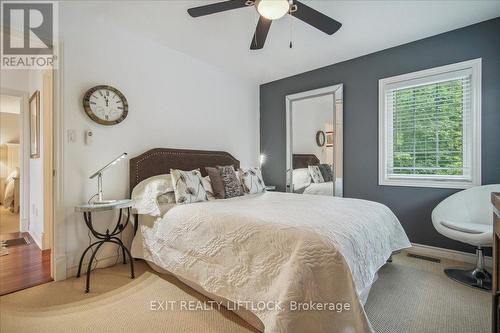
x,y
304,160
160,160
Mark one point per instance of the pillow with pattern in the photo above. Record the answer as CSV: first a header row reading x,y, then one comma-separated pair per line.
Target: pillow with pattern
x,y
315,174
252,180
232,185
326,172
207,185
188,186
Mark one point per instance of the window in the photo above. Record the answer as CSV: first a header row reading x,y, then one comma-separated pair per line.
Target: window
x,y
430,127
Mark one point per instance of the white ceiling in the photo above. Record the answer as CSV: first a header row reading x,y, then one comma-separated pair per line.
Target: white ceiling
x,y
223,39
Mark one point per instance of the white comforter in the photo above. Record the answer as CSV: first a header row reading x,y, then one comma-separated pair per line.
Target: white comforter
x,y
325,188
281,249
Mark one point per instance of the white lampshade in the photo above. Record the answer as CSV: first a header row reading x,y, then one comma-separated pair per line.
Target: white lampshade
x,y
272,9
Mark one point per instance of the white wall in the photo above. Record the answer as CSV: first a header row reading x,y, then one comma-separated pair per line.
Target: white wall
x,y
9,133
174,101
9,127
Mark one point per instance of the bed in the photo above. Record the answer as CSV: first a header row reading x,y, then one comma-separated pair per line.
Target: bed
x,y
300,163
283,262
10,198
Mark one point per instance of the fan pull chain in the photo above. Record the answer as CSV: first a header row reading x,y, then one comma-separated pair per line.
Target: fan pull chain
x,y
290,26
291,10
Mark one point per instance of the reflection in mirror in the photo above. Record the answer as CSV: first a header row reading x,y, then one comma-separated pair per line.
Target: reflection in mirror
x,y
315,142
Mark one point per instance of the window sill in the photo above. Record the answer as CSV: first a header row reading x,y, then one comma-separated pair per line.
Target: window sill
x,y
428,183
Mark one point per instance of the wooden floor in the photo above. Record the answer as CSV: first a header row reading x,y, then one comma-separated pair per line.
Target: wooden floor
x,y
25,266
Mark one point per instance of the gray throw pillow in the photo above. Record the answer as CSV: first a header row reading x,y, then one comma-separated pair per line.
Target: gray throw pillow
x,y
217,183
232,185
326,172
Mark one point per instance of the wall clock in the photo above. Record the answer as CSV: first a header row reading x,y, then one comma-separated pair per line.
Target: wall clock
x,y
320,138
105,105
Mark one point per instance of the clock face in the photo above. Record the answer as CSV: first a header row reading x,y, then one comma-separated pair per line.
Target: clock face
x,y
105,105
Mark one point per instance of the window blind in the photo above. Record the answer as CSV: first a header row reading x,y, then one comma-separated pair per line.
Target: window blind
x,y
428,129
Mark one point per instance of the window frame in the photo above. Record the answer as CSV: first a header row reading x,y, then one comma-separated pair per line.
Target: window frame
x,y
472,136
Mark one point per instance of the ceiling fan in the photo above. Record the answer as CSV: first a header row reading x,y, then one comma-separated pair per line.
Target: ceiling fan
x,y
270,10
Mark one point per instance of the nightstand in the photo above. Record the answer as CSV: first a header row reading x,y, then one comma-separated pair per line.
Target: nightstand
x,y
109,236
271,188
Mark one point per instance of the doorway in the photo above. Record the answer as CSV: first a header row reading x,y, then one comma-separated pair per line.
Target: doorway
x,y
26,178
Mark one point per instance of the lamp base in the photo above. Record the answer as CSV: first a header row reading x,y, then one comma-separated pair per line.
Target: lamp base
x,y
104,202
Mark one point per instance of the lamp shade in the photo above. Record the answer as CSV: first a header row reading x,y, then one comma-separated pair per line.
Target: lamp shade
x,y
272,9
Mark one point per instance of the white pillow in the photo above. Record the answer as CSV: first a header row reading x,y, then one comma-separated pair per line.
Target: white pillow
x,y
188,186
301,178
316,175
252,181
207,185
146,193
12,175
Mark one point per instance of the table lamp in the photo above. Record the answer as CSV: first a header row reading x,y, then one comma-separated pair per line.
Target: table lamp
x,y
98,174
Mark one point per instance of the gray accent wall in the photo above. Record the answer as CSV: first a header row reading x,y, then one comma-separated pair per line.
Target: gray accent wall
x,y
412,205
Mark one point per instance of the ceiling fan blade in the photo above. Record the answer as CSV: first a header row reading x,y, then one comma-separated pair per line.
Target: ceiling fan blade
x,y
316,19
259,38
216,7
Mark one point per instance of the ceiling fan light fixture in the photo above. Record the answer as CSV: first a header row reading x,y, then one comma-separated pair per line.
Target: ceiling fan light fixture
x,y
272,9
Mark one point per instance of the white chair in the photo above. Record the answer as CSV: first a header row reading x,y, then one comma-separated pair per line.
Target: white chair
x,y
467,216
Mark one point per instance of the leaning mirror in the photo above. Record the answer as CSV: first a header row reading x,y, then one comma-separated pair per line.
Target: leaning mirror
x,y
315,141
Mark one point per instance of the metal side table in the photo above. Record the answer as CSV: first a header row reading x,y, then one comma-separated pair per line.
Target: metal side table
x,y
109,236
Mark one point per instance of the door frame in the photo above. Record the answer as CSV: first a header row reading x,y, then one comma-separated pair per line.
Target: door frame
x,y
58,253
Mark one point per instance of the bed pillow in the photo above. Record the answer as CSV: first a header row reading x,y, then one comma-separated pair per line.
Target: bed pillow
x,y
252,180
326,171
315,174
188,186
232,185
216,182
301,178
166,198
150,191
207,185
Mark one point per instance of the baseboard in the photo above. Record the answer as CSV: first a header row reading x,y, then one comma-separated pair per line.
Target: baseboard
x,y
102,263
37,238
432,251
60,271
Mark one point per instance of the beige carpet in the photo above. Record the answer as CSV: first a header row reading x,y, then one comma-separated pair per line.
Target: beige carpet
x,y
9,223
411,295
414,295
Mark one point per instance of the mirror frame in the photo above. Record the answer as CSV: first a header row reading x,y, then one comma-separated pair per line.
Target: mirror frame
x,y
289,99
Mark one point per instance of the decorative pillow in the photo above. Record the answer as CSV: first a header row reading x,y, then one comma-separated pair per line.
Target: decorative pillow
x,y
216,182
188,186
315,174
232,185
252,180
326,171
207,185
301,178
146,194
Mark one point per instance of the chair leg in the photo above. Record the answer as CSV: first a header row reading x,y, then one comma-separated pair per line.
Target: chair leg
x,y
477,277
